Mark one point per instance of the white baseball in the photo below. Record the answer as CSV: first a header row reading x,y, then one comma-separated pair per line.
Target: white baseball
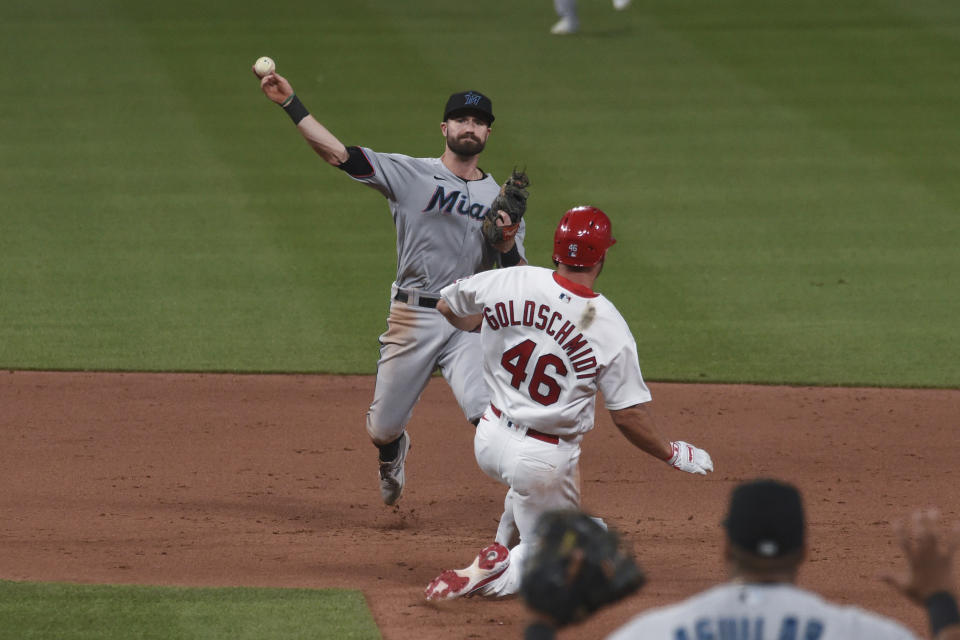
x,y
264,66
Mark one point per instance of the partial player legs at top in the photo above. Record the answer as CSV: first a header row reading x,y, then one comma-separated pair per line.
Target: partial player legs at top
x,y
569,22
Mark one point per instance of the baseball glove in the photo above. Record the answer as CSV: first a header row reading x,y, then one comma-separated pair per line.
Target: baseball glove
x,y
512,200
576,567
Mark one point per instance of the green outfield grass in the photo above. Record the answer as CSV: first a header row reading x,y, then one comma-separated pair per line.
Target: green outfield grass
x,y
75,612
781,176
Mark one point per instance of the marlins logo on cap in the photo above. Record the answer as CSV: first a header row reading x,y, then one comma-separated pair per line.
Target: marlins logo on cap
x,y
469,101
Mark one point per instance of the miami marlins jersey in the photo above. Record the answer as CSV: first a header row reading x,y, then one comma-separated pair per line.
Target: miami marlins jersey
x,y
438,217
548,346
760,612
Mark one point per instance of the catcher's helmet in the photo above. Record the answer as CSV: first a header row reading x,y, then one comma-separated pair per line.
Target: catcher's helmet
x,y
582,237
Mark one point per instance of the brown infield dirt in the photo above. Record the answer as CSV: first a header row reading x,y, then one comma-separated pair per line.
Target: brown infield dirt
x,y
248,480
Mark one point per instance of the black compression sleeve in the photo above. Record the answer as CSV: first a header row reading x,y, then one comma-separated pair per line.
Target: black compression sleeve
x,y
356,164
942,611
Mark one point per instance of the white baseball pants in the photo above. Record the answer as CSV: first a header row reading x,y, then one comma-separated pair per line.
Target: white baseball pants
x,y
541,476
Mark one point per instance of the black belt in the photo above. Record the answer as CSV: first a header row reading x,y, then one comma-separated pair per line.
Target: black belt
x,y
533,433
422,301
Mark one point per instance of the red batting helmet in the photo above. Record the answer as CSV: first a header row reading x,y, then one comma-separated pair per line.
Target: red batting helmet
x,y
582,237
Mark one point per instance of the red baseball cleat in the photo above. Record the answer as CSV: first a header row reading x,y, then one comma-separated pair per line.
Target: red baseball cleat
x,y
489,564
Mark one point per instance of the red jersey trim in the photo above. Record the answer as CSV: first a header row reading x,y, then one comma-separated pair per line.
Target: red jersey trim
x,y
573,287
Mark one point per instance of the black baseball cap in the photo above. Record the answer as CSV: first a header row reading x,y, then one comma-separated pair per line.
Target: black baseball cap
x,y
765,518
469,101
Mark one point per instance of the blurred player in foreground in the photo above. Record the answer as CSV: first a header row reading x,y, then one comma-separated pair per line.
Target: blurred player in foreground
x,y
765,546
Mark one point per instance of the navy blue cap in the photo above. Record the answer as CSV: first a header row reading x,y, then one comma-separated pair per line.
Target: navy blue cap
x,y
469,101
765,518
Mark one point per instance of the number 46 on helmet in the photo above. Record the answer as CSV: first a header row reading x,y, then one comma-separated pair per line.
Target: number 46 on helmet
x,y
582,237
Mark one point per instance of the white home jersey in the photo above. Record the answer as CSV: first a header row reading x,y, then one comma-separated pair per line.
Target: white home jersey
x,y
549,345
737,611
438,217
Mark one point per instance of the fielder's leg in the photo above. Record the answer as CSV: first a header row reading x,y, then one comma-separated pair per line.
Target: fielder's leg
x,y
461,363
407,359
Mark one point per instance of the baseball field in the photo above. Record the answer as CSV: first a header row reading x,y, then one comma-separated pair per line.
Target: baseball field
x,y
190,298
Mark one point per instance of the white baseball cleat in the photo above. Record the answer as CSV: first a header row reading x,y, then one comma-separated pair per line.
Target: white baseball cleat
x,y
489,564
565,27
391,473
620,5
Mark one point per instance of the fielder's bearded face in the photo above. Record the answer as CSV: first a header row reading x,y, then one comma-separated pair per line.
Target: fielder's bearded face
x,y
466,133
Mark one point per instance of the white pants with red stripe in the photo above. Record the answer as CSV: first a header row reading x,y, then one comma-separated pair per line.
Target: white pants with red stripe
x,y
541,477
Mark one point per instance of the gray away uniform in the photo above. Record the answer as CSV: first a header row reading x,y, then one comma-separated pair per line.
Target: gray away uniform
x,y
438,217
